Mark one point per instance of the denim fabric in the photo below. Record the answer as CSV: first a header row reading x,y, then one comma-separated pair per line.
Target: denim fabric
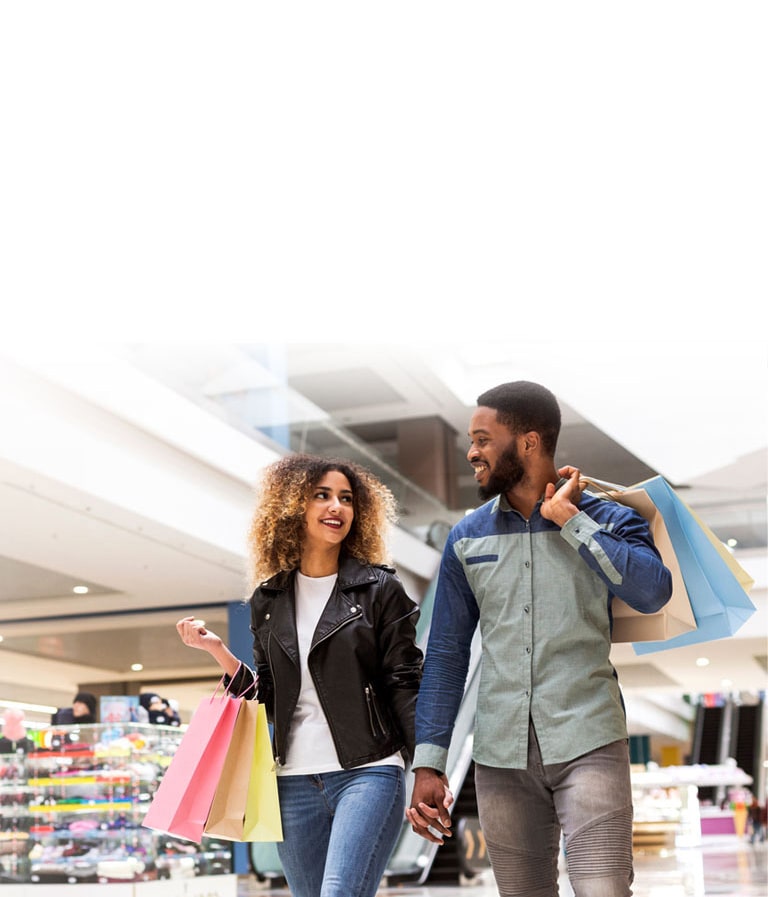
x,y
339,829
589,800
541,596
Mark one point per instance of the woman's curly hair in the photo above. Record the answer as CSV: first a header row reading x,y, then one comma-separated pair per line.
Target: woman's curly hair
x,y
284,489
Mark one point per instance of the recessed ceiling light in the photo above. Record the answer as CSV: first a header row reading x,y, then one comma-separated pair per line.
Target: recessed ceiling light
x,y
137,667
80,590
702,661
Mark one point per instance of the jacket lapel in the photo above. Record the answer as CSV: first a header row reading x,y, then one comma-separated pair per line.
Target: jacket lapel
x,y
342,606
282,616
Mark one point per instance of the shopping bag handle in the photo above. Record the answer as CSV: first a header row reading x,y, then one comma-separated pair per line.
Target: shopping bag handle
x,y
601,485
254,684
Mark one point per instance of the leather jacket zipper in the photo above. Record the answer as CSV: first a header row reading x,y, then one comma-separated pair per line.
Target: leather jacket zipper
x,y
277,751
374,716
355,614
278,758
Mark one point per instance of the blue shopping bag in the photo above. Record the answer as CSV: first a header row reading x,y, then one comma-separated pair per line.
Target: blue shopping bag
x,y
717,586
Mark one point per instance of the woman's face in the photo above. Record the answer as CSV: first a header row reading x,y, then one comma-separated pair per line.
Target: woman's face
x,y
330,511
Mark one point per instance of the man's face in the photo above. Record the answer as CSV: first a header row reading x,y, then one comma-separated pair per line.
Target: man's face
x,y
493,454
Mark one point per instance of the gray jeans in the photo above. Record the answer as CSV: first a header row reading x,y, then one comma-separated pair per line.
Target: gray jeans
x,y
523,811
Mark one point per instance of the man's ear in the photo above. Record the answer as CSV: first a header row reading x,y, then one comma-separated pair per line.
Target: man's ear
x,y
529,442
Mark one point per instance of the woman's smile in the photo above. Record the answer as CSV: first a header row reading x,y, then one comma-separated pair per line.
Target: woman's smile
x,y
330,510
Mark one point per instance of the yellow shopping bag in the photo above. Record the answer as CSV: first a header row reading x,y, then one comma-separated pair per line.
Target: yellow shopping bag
x,y
262,811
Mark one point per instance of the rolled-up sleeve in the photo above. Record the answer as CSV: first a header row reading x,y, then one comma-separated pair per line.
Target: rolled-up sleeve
x,y
621,550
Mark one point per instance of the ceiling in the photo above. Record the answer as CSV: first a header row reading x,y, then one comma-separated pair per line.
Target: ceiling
x,y
129,471
479,212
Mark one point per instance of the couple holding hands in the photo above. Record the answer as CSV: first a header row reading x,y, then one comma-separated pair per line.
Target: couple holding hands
x,y
352,700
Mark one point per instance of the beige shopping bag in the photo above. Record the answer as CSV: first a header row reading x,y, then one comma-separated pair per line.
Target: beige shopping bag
x,y
226,816
676,617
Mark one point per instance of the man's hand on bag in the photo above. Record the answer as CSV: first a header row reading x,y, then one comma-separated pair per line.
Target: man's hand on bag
x,y
561,504
428,812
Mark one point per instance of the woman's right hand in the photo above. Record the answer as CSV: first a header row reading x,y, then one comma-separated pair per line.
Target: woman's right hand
x,y
194,634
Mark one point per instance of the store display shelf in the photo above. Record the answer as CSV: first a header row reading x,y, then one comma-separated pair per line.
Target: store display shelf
x,y
83,779
72,814
666,802
207,886
85,806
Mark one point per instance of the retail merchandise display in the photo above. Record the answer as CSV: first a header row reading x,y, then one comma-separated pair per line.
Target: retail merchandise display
x,y
71,809
667,812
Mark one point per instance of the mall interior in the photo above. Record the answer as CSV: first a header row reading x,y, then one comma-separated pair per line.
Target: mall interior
x,y
127,485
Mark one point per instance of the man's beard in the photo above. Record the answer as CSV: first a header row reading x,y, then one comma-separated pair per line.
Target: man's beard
x,y
507,473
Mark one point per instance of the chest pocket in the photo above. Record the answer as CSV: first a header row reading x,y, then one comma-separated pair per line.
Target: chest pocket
x,y
486,574
481,559
497,576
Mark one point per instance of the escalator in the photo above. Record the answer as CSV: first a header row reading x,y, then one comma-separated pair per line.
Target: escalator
x,y
707,743
413,857
731,729
748,746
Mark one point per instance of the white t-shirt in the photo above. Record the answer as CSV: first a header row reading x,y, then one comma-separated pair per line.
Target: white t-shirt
x,y
310,746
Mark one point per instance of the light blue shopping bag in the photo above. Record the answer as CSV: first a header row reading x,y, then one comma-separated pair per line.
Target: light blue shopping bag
x,y
717,586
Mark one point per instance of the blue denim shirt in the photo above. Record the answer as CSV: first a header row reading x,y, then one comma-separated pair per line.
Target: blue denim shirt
x,y
542,596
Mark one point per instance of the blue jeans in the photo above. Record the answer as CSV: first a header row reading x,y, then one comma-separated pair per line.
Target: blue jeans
x,y
523,812
339,829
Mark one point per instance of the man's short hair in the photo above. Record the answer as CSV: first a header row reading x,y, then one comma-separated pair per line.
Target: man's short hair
x,y
523,406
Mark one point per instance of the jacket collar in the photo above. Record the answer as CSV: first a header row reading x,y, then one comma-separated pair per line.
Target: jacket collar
x,y
351,573
339,609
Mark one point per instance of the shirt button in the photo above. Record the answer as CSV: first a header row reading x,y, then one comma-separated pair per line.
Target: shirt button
x,y
267,616
527,563
527,608
528,650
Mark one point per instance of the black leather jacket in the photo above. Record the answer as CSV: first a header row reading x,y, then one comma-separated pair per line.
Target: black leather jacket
x,y
364,661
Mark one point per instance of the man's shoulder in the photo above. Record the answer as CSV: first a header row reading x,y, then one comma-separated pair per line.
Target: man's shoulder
x,y
480,521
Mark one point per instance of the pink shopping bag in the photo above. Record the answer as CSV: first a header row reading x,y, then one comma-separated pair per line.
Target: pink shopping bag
x,y
181,803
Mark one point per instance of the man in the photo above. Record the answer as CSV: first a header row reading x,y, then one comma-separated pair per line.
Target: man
x,y
536,566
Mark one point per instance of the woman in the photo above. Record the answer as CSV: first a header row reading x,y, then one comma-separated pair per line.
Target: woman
x,y
337,666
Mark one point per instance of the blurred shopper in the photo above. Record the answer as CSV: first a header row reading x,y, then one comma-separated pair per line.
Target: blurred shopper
x,y
159,710
82,711
337,666
755,816
171,711
536,568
